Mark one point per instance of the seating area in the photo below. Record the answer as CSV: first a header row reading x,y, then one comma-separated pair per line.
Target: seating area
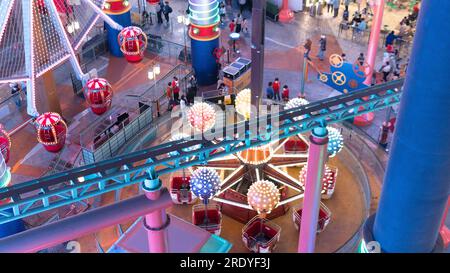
x,y
323,221
244,215
261,235
180,190
295,146
208,218
272,11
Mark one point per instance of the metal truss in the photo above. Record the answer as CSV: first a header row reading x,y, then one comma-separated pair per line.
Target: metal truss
x,y
64,188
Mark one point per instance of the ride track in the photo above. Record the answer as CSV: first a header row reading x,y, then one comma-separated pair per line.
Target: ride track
x,y
46,193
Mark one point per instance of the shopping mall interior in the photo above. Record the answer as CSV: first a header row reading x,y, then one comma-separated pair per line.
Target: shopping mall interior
x,y
224,126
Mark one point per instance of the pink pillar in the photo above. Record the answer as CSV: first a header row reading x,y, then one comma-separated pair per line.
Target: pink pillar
x,y
374,38
156,222
286,14
317,155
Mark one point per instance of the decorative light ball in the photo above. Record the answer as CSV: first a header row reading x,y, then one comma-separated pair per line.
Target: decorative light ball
x,y
327,180
180,136
201,116
243,103
51,131
5,174
205,183
335,141
256,155
294,103
5,144
263,196
133,42
98,94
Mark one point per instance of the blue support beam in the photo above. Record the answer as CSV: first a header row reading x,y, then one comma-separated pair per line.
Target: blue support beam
x,y
64,188
417,184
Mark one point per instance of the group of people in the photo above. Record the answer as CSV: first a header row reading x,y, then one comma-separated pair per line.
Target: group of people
x,y
175,96
239,24
163,9
273,91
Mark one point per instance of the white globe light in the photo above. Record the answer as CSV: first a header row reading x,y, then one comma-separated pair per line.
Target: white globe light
x,y
180,136
243,103
263,196
335,141
294,103
327,180
201,116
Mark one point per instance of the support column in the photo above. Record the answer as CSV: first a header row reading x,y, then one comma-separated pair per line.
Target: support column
x,y
156,222
205,33
257,49
120,13
317,156
374,38
416,184
286,15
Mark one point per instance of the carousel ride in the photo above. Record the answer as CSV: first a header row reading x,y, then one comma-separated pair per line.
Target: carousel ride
x,y
247,176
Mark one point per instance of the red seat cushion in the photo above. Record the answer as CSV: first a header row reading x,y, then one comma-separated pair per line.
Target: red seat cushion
x,y
177,181
295,145
213,216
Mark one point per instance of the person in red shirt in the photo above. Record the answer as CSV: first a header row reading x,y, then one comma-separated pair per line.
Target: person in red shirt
x,y
175,89
285,93
232,25
169,91
276,89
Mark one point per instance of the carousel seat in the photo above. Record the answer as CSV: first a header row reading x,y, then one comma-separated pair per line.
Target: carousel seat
x,y
322,222
295,146
261,235
213,216
180,190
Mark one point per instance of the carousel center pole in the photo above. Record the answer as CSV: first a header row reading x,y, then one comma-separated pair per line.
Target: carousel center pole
x,y
317,156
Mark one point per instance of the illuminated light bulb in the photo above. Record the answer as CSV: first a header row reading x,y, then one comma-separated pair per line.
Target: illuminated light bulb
x,y
256,155
243,103
181,136
335,141
263,196
205,183
201,116
327,180
294,103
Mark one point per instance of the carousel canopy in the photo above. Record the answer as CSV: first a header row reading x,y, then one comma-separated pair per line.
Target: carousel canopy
x,y
48,119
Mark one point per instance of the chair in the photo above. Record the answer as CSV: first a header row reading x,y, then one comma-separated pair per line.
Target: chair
x,y
322,222
208,218
180,190
260,235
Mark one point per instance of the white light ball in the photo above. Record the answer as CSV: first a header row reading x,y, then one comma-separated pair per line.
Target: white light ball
x,y
201,116
263,196
335,141
243,103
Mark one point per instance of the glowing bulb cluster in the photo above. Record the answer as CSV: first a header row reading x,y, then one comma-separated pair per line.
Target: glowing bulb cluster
x,y
294,103
181,136
201,116
328,180
256,155
263,196
205,183
335,141
243,103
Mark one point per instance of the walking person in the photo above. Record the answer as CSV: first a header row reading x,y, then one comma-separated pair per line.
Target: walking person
x,y
269,91
232,25
242,5
183,107
166,11
361,59
322,47
222,12
307,47
285,93
238,23
175,89
159,8
276,89
336,4
386,69
329,6
245,26
15,92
